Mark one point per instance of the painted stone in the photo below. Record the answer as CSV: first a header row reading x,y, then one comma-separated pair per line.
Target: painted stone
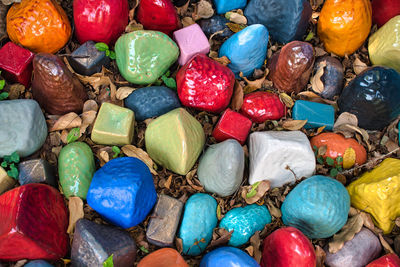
x,y
316,114
6,182
247,49
122,191
41,218
16,63
221,168
357,252
376,192
228,257
232,125
384,45
41,26
153,101
175,140
23,127
341,20
94,243
114,125
245,221
329,71
38,263
216,24
262,106
143,56
389,260
75,169
100,20
87,60
373,96
313,209
224,6
165,257
384,10
54,86
164,221
288,247
205,84
286,20
280,157
36,171
198,223
290,68
191,41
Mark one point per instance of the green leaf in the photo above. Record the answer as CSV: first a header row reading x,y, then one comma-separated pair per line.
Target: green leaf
x,y
309,36
4,164
320,160
7,159
3,95
253,190
167,74
158,82
330,161
101,46
145,250
339,160
14,157
73,135
109,262
13,172
107,53
333,172
2,84
339,168
169,82
116,151
113,56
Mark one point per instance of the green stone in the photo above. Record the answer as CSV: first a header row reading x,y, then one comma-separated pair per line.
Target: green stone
x,y
143,56
75,169
175,140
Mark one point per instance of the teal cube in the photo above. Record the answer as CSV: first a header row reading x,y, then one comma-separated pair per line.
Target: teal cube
x,y
316,114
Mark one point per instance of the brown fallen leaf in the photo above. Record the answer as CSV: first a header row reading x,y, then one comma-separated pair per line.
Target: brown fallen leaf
x,y
235,27
179,244
275,212
67,121
167,184
293,125
359,66
237,99
255,241
345,118
132,151
75,206
316,84
367,221
253,85
15,90
253,193
88,118
124,92
250,250
133,26
223,237
320,256
203,10
222,60
182,10
236,18
388,249
187,21
286,99
104,156
189,177
90,105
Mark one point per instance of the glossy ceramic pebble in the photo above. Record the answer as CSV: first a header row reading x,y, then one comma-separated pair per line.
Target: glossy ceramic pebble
x,y
223,6
23,127
246,49
221,168
153,101
262,106
165,257
122,191
38,263
36,171
384,10
6,182
389,260
198,223
313,209
216,24
228,257
88,60
316,114
329,71
271,152
245,221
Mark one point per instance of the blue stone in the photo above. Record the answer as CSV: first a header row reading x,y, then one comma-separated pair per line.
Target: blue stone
x,y
373,96
228,257
316,114
152,101
87,60
224,6
246,49
38,263
245,221
318,206
287,20
122,191
198,223
216,24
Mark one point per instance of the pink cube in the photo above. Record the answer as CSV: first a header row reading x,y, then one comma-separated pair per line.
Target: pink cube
x,y
16,63
232,125
191,41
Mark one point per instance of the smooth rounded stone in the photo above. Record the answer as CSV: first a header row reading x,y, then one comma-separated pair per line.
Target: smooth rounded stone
x,y
245,221
36,171
384,45
224,6
153,101
291,67
247,49
316,114
56,89
261,106
165,257
38,263
34,224
286,20
198,223
143,56
280,157
329,72
216,24
23,127
389,260
6,182
357,252
88,60
384,10
313,209
175,140
94,243
75,169
122,191
373,96
228,257
221,168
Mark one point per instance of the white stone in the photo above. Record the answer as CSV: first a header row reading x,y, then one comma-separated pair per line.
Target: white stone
x,y
280,157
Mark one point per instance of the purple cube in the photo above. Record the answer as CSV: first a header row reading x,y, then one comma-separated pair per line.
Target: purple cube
x,y
191,41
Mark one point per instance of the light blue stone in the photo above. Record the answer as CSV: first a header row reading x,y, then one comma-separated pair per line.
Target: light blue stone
x,y
198,223
316,114
245,222
246,49
318,206
38,263
224,6
228,257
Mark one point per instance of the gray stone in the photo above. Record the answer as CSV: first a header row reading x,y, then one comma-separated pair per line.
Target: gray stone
x,y
87,60
36,171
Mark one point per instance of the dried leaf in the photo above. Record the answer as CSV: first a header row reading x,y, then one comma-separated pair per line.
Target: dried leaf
x,y
132,151
385,245
286,99
167,184
237,99
179,244
133,26
255,241
104,156
222,60
88,118
124,92
308,94
294,125
189,177
346,118
359,66
203,10
260,191
187,21
67,121
9,2
234,27
275,212
320,256
254,85
182,10
90,105
367,221
250,250
236,18
349,230
349,158
223,239
15,90
316,84
75,206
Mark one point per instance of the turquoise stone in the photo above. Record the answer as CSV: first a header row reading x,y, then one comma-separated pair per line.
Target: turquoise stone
x,y
224,6
316,114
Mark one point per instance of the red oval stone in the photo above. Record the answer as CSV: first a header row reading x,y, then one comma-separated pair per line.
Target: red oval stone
x,y
262,106
389,260
384,10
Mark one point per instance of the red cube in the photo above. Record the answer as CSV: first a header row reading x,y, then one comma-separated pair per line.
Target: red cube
x,y
232,125
16,63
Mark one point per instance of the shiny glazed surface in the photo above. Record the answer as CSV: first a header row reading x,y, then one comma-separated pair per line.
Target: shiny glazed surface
x,y
228,257
262,106
165,257
384,10
389,260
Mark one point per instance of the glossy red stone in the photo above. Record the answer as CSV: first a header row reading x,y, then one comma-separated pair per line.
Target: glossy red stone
x,y
288,247
100,20
205,84
389,260
16,63
158,15
262,106
33,223
384,10
232,125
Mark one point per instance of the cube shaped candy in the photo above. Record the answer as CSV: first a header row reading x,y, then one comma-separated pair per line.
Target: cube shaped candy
x,y
87,60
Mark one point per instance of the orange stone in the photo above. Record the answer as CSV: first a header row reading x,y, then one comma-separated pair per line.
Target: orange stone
x,y
165,257
344,25
38,25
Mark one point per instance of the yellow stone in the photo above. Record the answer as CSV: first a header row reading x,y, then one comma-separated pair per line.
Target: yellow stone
x,y
6,182
378,193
